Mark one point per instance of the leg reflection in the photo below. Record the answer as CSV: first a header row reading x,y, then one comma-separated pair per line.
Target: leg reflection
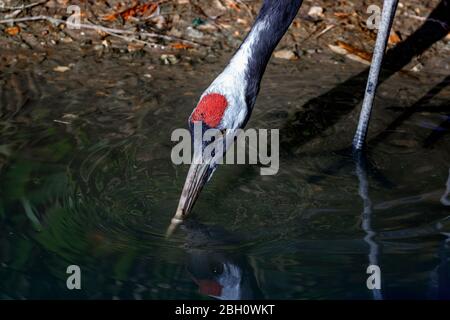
x,y
367,215
439,287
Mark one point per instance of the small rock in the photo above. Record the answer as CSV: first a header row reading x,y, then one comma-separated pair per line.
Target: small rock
x,y
160,22
98,47
316,12
61,69
66,40
417,68
106,43
194,33
209,27
169,59
285,54
210,58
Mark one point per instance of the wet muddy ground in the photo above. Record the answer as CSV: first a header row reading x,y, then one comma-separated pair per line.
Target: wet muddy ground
x,y
86,176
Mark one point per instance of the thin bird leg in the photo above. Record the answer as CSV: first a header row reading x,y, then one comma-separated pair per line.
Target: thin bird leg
x,y
387,17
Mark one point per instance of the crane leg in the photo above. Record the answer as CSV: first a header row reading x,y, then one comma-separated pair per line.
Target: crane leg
x,y
387,17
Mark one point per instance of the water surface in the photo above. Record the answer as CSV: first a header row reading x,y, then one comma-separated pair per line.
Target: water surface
x,y
86,179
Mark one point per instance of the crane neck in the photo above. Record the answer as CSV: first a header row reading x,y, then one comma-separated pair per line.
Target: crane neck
x,y
252,57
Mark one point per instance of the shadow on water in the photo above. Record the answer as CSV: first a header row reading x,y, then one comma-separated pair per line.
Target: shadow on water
x,y
439,277
223,272
324,111
438,132
421,105
102,209
416,107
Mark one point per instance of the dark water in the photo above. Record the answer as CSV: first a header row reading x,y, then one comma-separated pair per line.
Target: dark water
x,y
86,179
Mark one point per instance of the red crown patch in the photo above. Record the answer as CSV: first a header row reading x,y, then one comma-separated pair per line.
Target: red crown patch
x,y
210,109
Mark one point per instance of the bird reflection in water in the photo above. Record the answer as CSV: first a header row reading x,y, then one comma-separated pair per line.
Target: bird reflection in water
x,y
218,270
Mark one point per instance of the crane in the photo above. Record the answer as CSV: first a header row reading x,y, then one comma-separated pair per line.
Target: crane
x,y
228,102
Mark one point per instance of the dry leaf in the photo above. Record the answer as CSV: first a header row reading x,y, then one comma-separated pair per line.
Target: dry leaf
x,y
351,52
143,10
341,14
181,46
12,31
394,38
355,51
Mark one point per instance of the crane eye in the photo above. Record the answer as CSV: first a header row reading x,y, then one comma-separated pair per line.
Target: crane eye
x,y
216,268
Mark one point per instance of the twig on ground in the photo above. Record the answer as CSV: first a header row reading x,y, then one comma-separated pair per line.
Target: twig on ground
x,y
111,31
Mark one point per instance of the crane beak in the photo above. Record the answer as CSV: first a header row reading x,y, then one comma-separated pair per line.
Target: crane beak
x,y
196,179
199,173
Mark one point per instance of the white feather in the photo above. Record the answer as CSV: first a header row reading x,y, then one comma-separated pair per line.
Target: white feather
x,y
231,83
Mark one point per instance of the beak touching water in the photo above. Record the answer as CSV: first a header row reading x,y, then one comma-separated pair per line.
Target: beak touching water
x,y
195,180
198,175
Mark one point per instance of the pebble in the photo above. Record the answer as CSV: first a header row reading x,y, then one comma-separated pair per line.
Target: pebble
x,y
61,68
169,59
285,54
194,33
316,12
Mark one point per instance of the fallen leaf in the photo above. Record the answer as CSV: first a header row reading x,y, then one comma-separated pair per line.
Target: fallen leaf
x,y
417,68
12,31
351,53
181,46
341,14
143,10
394,38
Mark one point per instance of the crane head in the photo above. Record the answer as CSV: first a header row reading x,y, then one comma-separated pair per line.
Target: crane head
x,y
223,110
